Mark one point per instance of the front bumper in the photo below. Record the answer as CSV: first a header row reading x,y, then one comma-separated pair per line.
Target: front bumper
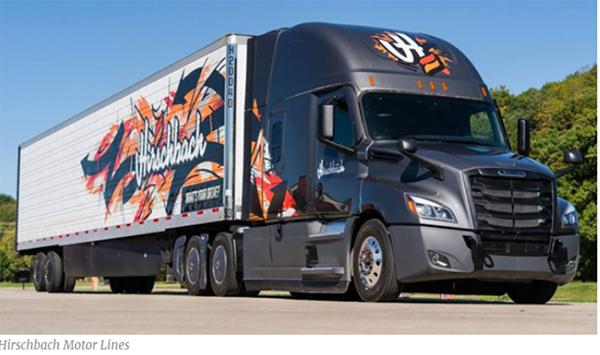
x,y
412,244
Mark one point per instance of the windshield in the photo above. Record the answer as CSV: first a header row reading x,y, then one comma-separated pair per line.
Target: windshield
x,y
430,118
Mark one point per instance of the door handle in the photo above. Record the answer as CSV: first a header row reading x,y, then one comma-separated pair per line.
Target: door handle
x,y
320,192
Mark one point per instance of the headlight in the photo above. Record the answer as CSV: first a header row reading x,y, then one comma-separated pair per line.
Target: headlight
x,y
428,209
570,219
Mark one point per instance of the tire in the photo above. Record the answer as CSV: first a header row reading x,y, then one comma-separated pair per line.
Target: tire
x,y
350,295
68,284
145,284
132,285
53,273
301,295
535,292
374,272
192,269
247,293
38,272
224,279
117,284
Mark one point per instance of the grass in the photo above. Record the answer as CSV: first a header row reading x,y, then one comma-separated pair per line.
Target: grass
x,y
576,291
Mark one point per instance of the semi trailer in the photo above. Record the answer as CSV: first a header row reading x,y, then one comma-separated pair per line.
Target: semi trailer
x,y
330,161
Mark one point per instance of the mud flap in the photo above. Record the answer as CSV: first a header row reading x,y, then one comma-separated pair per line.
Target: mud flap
x,y
558,258
179,259
203,261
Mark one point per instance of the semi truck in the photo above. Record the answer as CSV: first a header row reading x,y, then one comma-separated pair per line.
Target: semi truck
x,y
329,161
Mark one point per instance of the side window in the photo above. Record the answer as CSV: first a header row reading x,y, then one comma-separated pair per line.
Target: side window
x,y
481,127
276,141
343,132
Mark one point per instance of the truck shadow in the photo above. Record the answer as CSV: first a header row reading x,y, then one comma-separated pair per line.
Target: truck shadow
x,y
332,298
321,298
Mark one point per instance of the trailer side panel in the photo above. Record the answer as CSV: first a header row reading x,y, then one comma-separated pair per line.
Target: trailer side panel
x,y
146,162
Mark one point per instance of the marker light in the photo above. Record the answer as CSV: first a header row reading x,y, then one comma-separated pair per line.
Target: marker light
x,y
484,91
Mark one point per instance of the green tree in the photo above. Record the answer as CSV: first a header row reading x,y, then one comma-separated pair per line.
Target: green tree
x,y
10,261
8,209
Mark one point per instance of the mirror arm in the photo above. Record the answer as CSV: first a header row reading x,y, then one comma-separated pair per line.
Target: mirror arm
x,y
564,172
437,172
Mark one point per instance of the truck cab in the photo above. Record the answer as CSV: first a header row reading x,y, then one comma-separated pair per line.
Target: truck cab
x,y
380,163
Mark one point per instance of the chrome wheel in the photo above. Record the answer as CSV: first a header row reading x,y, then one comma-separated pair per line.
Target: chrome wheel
x,y
194,266
37,271
219,266
370,261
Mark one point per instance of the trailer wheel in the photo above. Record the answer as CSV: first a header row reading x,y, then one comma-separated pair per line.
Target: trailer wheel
x,y
535,292
145,284
374,273
224,279
68,284
193,266
53,272
38,272
117,284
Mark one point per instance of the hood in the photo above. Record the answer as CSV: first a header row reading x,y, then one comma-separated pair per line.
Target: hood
x,y
463,157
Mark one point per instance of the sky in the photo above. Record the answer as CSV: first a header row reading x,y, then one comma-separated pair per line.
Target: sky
x,y
59,58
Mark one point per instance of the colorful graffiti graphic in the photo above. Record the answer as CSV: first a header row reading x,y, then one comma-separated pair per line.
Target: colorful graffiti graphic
x,y
269,194
412,52
169,152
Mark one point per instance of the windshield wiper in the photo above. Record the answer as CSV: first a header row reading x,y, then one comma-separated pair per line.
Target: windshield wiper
x,y
459,141
466,141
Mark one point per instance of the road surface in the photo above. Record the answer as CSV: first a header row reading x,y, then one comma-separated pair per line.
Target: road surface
x,y
174,312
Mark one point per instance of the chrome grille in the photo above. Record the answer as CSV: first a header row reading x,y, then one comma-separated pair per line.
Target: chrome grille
x,y
514,216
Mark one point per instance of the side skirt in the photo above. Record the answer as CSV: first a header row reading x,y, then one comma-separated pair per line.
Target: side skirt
x,y
308,257
137,256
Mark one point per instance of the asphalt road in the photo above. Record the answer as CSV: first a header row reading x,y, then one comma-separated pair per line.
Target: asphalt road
x,y
172,312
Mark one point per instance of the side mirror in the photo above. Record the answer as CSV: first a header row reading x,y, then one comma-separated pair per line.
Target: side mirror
x,y
524,139
407,145
570,157
326,122
573,157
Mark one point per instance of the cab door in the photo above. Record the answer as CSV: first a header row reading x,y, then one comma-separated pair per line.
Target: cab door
x,y
336,166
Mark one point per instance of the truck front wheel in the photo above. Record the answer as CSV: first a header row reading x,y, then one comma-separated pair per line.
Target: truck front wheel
x,y
535,292
374,273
